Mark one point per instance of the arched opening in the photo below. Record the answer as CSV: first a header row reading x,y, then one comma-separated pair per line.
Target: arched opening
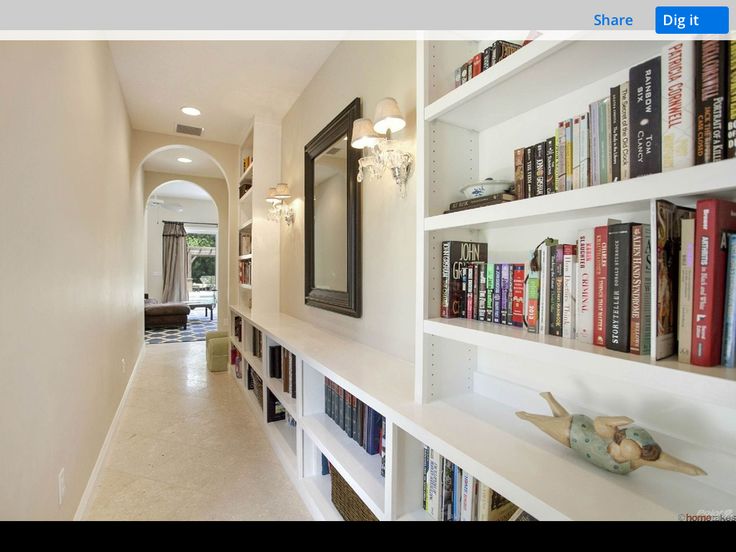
x,y
194,195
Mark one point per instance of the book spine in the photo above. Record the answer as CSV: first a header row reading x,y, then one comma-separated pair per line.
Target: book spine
x,y
615,133
584,151
678,105
469,294
433,485
445,289
539,164
624,125
584,288
484,502
543,288
576,152
476,290
348,421
560,162
446,490
490,286
595,171
556,291
487,58
477,64
519,187
568,154
604,156
482,291
712,218
425,486
636,288
532,307
517,302
619,280
731,95
685,304
646,299
497,293
549,166
728,348
466,504
504,293
529,171
569,263
646,118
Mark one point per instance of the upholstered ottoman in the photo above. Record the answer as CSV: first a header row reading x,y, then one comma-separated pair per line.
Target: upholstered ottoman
x,y
163,315
218,350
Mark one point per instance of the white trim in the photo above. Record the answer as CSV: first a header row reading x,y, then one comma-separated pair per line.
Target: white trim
x,y
102,456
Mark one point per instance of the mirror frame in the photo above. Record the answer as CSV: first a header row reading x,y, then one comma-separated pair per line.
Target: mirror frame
x,y
349,302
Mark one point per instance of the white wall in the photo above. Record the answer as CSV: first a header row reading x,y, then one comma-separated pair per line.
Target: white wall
x,y
195,210
371,71
71,279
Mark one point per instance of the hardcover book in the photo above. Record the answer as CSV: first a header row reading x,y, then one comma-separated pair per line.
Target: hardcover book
x,y
560,161
569,278
518,174
576,146
482,291
710,99
493,199
685,306
540,158
713,217
668,218
529,171
487,58
619,279
532,305
584,287
625,137
604,156
477,64
678,105
505,287
544,284
556,282
497,293
584,151
731,94
595,149
455,256
549,166
490,289
646,118
615,134
728,353
568,154
640,325
517,301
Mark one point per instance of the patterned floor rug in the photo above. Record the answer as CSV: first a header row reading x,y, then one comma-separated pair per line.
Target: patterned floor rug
x,y
197,326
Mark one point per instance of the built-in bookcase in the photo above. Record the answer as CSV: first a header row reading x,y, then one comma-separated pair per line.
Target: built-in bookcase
x,y
480,373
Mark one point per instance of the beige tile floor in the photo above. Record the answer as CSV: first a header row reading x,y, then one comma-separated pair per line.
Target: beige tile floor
x,y
188,447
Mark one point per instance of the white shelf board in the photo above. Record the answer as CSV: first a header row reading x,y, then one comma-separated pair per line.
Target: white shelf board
x,y
255,362
238,345
715,385
547,479
287,433
246,286
244,312
416,515
360,470
634,194
510,88
247,224
247,175
319,490
374,377
275,385
245,257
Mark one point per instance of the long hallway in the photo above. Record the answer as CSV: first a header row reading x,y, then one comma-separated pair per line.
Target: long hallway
x,y
188,447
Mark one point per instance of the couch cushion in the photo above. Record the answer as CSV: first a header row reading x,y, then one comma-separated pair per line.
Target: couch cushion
x,y
164,309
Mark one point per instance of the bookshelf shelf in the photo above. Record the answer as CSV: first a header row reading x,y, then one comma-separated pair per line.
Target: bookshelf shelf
x,y
255,362
247,175
709,180
361,470
284,445
715,385
238,345
512,87
245,257
275,385
319,489
245,225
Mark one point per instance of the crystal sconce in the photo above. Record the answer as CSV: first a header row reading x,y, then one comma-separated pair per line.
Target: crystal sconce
x,y
277,197
385,153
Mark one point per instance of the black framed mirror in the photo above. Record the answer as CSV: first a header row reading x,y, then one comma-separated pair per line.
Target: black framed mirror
x,y
332,210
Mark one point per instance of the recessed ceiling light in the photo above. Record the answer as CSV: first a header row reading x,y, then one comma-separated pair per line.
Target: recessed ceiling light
x,y
192,111
183,160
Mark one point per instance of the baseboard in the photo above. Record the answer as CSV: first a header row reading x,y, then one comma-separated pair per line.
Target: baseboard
x,y
102,456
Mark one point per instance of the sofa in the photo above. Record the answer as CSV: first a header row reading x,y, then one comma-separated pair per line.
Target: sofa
x,y
165,315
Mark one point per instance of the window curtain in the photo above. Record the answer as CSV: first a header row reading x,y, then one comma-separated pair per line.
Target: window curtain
x,y
176,263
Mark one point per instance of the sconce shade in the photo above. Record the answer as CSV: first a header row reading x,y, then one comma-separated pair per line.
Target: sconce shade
x,y
388,116
271,197
282,191
363,134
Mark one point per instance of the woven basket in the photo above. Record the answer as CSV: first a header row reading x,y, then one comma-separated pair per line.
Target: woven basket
x,y
258,388
348,503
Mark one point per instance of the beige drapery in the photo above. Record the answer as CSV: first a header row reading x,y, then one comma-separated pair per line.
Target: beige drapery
x,y
175,263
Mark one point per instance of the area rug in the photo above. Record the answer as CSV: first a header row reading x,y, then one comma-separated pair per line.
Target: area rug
x,y
197,326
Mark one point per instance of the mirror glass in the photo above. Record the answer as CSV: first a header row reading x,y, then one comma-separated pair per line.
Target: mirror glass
x,y
331,217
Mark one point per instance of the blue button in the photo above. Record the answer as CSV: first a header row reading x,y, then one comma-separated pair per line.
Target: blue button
x,y
691,20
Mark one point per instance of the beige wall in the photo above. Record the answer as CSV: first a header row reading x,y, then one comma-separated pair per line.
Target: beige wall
x,y
72,269
371,71
194,211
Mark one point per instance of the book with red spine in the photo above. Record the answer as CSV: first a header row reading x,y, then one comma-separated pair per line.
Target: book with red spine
x,y
600,285
713,217
517,300
477,64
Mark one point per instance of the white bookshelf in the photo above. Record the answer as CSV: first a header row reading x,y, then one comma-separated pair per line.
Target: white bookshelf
x,y
469,133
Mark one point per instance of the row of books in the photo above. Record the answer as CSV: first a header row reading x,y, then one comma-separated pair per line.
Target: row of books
x,y
257,342
255,383
282,365
676,110
235,361
361,423
452,494
481,61
244,271
275,411
247,160
245,244
238,328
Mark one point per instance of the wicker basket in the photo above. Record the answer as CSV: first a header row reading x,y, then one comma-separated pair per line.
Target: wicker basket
x,y
348,503
258,388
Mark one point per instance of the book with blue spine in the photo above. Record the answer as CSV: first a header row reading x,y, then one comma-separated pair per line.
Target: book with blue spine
x,y
728,354
456,492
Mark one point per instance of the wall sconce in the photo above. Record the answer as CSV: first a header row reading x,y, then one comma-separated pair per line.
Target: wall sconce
x,y
385,153
277,197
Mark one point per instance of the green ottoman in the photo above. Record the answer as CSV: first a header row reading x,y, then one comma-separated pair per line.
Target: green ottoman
x,y
218,350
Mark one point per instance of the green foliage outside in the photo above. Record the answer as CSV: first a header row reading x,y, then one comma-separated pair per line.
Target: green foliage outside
x,y
202,266
201,240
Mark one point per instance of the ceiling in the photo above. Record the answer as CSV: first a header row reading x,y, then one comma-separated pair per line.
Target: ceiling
x,y
229,82
166,161
181,189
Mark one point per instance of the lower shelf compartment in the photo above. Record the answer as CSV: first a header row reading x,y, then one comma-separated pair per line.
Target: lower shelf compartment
x,y
319,489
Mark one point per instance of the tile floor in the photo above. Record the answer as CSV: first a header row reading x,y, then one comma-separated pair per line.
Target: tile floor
x,y
189,448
